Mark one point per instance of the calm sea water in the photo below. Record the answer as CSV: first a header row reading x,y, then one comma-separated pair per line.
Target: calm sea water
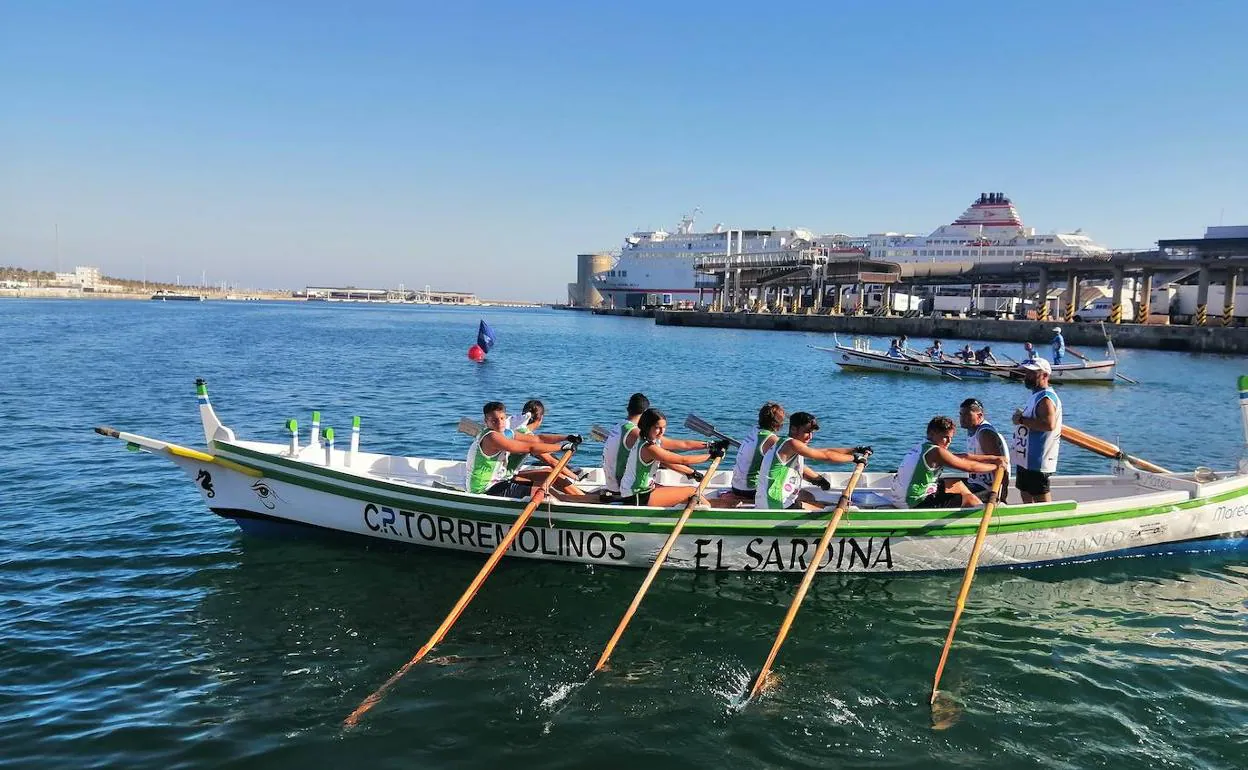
x,y
138,630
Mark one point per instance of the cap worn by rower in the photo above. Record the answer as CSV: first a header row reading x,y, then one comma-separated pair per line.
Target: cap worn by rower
x,y
1057,329
1038,365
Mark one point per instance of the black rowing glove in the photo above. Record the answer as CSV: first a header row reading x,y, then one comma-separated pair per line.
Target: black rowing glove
x,y
822,483
695,475
865,451
718,448
574,439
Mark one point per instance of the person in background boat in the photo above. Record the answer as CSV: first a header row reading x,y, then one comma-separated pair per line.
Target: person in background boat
x,y
967,354
752,450
1059,345
984,355
1030,351
615,456
894,350
903,342
983,442
935,352
784,466
531,415
918,482
646,454
1038,434
487,470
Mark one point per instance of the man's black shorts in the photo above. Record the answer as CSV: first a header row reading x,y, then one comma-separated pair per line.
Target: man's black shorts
x,y
1033,483
940,500
513,488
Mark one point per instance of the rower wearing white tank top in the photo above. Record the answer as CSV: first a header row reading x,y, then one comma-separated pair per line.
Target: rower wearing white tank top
x,y
983,442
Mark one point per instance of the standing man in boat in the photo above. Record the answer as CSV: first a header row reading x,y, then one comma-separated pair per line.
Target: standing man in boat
x,y
753,449
1059,345
1038,434
983,442
784,466
918,482
531,415
646,454
487,471
615,454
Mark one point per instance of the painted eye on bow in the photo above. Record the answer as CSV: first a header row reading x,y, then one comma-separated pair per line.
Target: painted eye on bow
x,y
262,489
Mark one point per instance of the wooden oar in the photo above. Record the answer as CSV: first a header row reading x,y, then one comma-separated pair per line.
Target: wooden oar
x,y
943,371
658,563
859,465
1102,447
1077,354
539,494
969,575
698,425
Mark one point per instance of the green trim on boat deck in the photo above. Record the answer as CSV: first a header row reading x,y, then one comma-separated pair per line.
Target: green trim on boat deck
x,y
433,501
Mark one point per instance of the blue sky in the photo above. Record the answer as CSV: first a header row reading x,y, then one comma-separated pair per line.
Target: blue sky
x,y
481,146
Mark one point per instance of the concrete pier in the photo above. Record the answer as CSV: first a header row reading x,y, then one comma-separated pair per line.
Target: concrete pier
x,y
1207,339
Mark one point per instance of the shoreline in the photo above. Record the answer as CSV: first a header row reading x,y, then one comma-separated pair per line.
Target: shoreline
x,y
1192,339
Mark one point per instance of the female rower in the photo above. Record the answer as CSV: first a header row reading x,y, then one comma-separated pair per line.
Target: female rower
x,y
646,454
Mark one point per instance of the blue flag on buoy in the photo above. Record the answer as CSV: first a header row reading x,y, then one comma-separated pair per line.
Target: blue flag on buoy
x,y
485,337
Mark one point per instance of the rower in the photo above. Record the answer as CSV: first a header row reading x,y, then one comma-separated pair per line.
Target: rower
x,y
531,417
984,355
784,466
967,353
894,350
983,442
646,454
918,482
1059,345
487,473
752,450
1038,435
935,352
903,342
615,454
1030,352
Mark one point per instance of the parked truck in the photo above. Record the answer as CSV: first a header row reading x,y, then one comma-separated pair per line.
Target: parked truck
x,y
1179,302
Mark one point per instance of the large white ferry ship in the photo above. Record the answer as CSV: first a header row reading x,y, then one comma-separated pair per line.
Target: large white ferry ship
x,y
990,230
659,262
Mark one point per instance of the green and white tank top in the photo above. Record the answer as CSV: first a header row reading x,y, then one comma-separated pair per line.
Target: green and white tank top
x,y
615,454
750,460
779,481
915,479
485,470
638,474
515,461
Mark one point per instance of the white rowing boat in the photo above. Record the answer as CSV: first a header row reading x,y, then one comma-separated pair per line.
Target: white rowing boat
x,y
413,500
861,358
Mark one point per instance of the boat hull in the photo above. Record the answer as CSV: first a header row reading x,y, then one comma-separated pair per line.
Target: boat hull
x,y
1098,372
295,492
